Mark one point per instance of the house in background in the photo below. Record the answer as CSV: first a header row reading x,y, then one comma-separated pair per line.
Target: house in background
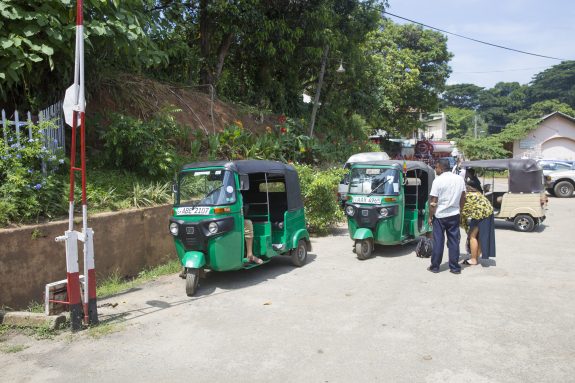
x,y
553,138
435,126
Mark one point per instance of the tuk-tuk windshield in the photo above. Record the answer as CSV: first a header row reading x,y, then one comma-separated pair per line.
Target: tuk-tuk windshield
x,y
378,181
206,188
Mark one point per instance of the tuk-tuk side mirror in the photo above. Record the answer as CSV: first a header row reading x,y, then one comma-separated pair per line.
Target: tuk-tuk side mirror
x,y
244,182
175,187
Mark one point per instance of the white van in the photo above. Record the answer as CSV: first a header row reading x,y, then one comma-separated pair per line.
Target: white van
x,y
359,157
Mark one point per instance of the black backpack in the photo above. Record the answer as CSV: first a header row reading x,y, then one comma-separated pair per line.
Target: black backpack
x,y
424,247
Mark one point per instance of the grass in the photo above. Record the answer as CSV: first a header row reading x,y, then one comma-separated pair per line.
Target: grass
x,y
10,349
103,329
3,331
39,333
115,283
35,307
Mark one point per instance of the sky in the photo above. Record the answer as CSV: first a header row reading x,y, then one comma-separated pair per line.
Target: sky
x,y
545,27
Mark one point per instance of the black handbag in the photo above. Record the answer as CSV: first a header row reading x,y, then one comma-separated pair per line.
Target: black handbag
x,y
424,247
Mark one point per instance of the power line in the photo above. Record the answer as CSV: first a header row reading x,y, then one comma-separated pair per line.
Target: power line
x,y
503,70
468,38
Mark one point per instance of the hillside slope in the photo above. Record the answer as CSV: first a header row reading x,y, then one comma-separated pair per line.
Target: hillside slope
x,y
142,97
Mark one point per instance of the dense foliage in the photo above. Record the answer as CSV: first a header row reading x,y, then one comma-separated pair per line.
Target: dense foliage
x,y
37,41
26,191
319,189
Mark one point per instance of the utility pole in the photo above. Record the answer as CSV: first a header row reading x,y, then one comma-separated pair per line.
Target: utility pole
x,y
475,124
318,90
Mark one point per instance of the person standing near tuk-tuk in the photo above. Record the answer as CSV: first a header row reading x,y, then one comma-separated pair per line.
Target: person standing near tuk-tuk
x,y
477,220
447,198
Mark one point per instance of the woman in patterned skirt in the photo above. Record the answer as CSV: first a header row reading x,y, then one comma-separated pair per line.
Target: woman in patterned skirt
x,y
477,220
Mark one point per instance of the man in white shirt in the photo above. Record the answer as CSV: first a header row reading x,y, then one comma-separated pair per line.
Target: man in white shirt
x,y
447,198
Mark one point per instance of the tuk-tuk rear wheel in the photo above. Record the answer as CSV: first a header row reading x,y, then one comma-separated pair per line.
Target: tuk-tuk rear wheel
x,y
363,249
192,280
299,254
524,222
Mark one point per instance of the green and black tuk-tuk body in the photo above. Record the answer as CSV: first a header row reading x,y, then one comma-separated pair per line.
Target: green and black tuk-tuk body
x,y
212,199
387,203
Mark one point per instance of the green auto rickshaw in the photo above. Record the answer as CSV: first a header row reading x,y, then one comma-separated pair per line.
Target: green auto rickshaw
x,y
387,203
216,201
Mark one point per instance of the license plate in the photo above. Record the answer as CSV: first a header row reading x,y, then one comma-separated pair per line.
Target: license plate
x,y
198,210
190,230
373,200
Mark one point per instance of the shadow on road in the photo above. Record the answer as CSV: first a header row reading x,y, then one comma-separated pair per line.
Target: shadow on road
x,y
393,251
227,281
233,280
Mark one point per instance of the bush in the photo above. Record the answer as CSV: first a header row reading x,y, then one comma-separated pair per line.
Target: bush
x,y
145,147
319,190
26,193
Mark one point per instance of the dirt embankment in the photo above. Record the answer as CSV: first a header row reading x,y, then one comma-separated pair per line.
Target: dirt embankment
x,y
141,97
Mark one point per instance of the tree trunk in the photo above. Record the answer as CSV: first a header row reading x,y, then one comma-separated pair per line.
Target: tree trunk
x,y
205,70
318,90
222,54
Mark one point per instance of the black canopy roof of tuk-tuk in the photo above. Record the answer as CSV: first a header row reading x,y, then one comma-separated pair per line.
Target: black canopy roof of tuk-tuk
x,y
525,175
293,191
410,165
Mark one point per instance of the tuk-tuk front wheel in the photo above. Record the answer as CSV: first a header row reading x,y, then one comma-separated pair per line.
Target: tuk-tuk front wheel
x,y
524,222
299,254
363,248
192,280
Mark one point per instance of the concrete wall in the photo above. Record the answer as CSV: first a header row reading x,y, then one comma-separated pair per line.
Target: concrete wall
x,y
125,242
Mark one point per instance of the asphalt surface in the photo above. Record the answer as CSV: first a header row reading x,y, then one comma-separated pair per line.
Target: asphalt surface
x,y
338,319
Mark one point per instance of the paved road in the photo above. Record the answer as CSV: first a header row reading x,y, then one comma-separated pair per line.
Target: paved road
x,y
338,319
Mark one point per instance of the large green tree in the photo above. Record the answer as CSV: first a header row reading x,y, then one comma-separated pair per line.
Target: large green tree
x,y
498,103
464,122
406,69
37,40
461,96
557,82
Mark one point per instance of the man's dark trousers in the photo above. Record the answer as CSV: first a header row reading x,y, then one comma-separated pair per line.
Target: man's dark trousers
x,y
449,225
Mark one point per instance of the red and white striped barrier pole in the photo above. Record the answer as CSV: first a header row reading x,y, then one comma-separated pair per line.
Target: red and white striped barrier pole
x,y
74,111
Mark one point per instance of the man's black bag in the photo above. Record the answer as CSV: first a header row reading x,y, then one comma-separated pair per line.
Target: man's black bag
x,y
424,247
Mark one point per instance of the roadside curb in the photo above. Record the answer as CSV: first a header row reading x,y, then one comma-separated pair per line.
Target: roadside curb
x,y
28,319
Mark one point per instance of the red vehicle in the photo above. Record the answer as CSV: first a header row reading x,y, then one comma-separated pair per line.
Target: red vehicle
x,y
430,151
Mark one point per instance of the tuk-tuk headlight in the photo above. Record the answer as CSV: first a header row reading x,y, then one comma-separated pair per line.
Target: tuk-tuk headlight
x,y
174,228
384,212
213,228
349,210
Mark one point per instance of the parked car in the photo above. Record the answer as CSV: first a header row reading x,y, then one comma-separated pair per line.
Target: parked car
x,y
555,165
560,183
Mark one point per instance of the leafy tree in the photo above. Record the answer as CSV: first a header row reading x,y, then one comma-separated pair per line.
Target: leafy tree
x,y
464,96
498,103
557,82
483,148
543,108
463,122
37,40
407,67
